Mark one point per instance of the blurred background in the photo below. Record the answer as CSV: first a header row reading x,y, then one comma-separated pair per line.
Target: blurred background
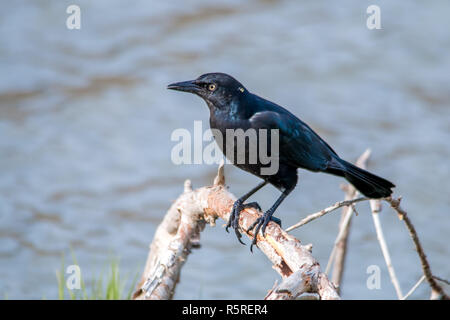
x,y
85,125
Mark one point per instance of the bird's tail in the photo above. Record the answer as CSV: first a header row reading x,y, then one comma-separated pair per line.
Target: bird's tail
x,y
367,183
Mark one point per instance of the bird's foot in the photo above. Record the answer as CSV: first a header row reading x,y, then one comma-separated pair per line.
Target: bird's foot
x,y
233,220
261,224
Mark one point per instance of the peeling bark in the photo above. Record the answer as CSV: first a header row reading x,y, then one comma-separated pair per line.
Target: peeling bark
x,y
180,231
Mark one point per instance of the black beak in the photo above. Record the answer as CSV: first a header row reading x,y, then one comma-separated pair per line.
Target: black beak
x,y
187,86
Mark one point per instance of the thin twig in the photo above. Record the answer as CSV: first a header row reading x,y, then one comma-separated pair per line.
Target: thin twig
x,y
442,280
414,288
437,290
323,212
181,227
375,206
339,250
339,237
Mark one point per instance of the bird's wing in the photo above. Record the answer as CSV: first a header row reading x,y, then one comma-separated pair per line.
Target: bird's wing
x,y
299,145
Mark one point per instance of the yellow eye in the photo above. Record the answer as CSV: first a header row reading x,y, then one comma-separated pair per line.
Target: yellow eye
x,y
212,87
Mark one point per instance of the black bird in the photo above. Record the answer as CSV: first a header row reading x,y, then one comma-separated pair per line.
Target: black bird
x,y
232,106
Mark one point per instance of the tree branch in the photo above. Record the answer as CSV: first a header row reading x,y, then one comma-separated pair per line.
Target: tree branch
x,y
314,216
437,290
180,231
339,250
375,206
181,228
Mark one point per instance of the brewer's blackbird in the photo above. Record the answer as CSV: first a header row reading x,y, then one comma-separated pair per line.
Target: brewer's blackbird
x,y
232,106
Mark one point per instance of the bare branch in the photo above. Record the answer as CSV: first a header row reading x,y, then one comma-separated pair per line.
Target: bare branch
x,y
173,240
442,280
291,287
323,212
180,231
413,288
339,250
181,228
437,290
375,206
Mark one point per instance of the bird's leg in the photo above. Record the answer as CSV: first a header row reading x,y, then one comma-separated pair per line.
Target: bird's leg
x,y
238,206
262,221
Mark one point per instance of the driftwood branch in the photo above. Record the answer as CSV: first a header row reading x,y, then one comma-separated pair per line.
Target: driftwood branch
x,y
178,233
180,230
375,206
437,292
291,287
340,253
316,215
341,245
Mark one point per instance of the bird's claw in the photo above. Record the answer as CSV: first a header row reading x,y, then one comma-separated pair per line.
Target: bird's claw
x,y
253,205
261,224
233,220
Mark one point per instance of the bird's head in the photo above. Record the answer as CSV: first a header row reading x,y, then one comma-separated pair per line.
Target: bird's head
x,y
217,89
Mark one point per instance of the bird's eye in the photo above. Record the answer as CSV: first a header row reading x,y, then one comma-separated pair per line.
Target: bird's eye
x,y
212,87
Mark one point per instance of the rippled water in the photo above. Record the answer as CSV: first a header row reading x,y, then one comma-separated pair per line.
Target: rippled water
x,y
85,124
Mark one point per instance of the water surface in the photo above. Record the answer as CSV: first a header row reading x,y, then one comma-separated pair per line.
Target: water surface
x,y
85,125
